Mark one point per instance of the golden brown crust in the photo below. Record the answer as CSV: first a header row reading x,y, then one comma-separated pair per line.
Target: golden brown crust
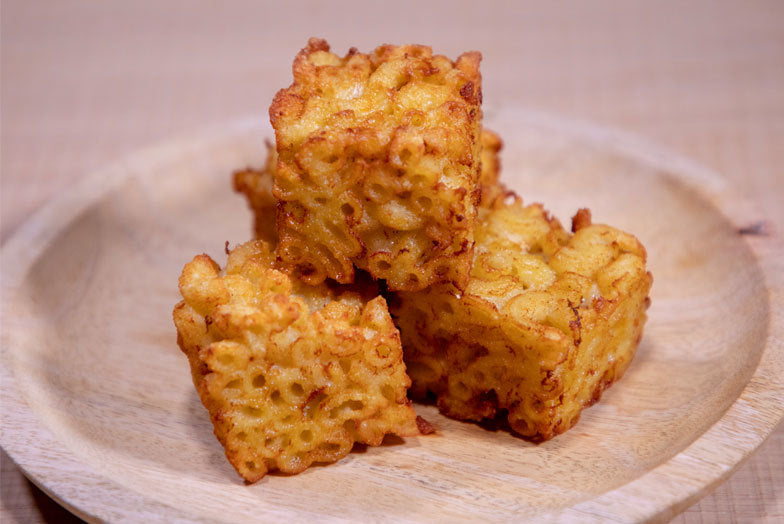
x,y
425,427
581,219
379,158
256,185
492,188
290,374
548,320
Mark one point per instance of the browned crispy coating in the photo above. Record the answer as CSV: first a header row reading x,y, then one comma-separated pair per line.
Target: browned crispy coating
x,y
548,320
378,165
581,219
256,185
290,374
492,188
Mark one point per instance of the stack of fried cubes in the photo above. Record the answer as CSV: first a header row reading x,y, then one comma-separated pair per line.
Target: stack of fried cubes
x,y
382,188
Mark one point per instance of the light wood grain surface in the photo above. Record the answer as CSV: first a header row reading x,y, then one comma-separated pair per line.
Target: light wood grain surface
x,y
83,83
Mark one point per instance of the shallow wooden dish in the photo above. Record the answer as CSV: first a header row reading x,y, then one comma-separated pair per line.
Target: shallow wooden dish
x,y
98,408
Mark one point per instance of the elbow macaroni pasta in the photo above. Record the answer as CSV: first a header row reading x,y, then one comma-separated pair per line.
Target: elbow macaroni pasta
x,y
290,374
378,165
547,322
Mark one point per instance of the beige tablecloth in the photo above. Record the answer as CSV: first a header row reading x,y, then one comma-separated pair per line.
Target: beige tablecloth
x,y
84,82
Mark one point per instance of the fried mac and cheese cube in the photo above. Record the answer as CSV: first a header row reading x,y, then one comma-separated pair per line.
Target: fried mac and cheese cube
x,y
547,322
256,185
290,374
378,165
492,189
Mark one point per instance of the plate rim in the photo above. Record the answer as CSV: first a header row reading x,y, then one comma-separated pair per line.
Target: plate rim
x,y
759,394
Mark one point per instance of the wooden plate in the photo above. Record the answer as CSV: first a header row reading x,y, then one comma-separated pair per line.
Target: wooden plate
x,y
100,412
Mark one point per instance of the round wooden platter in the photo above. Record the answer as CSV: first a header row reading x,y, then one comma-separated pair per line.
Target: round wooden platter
x,y
98,407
